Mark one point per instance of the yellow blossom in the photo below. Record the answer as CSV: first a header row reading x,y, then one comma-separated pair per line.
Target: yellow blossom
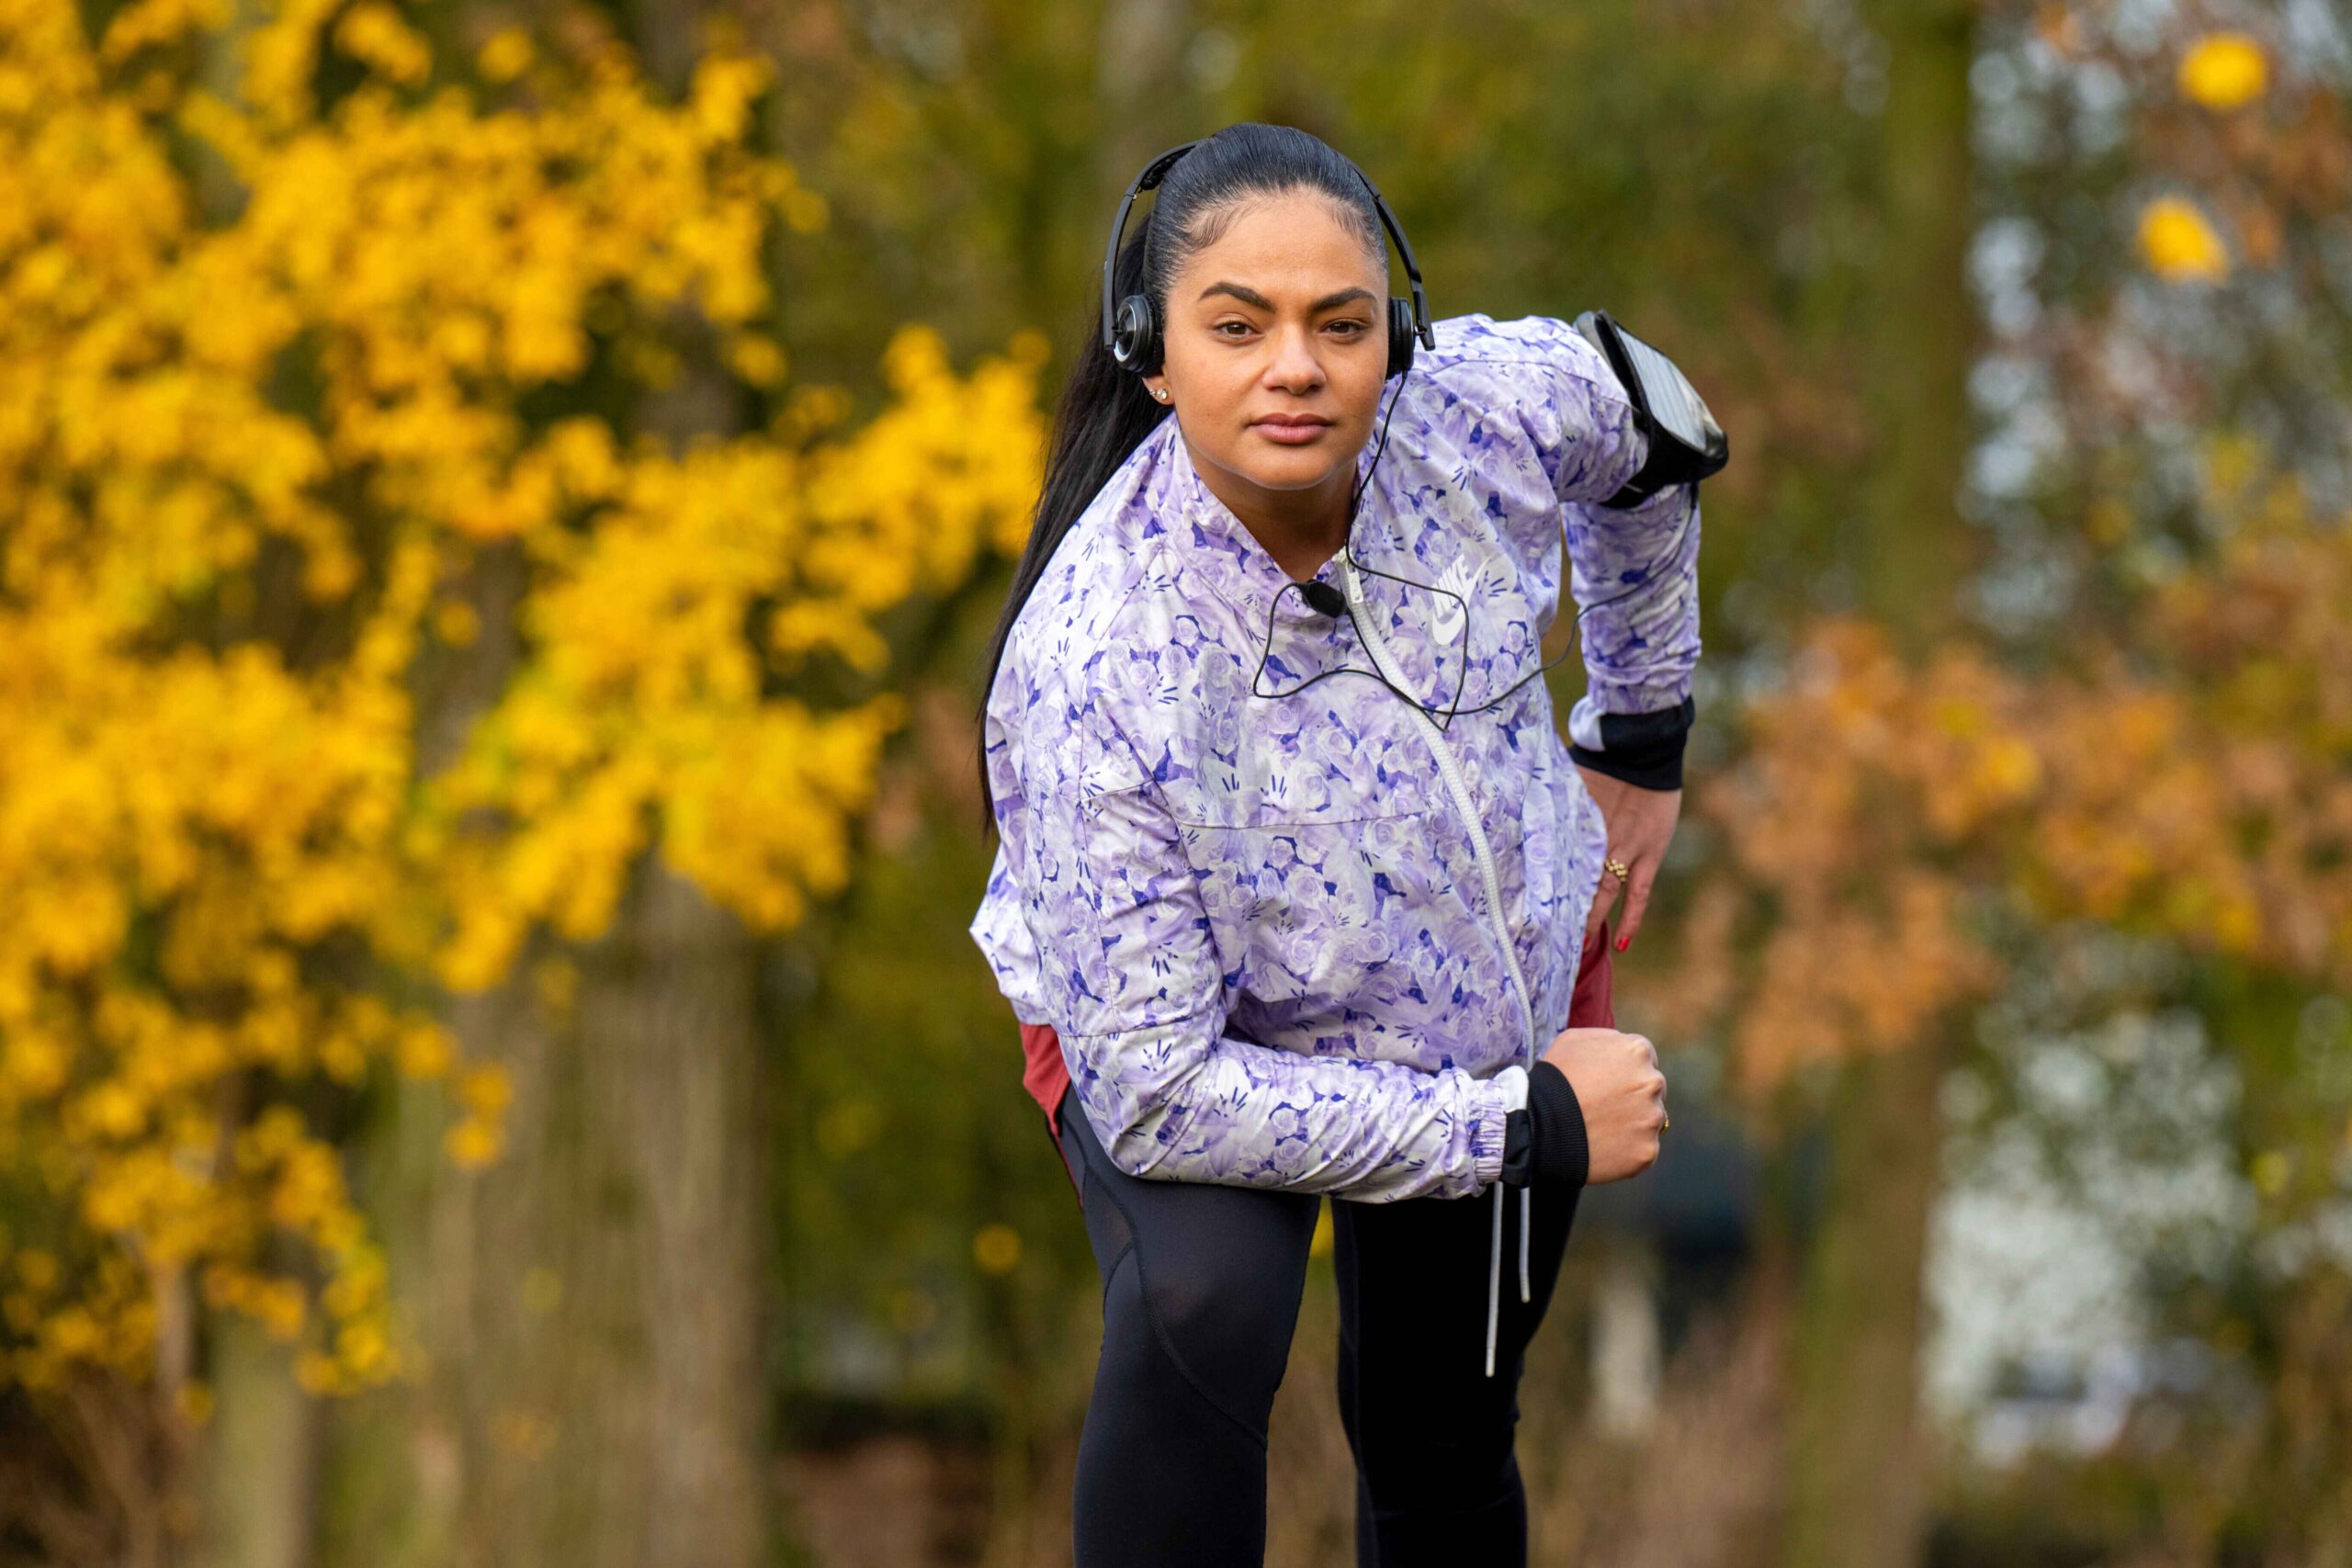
x,y
505,56
2223,71
2178,245
996,1247
473,1145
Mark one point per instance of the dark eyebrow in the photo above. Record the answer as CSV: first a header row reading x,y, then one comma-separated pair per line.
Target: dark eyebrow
x,y
1249,296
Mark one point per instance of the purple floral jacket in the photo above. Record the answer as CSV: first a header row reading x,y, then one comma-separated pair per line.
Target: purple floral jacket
x,y
1314,940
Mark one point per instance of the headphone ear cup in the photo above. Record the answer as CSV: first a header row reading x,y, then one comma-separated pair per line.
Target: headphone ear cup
x,y
1401,339
1135,335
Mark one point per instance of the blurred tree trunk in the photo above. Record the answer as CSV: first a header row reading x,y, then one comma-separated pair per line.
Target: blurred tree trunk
x,y
255,1470
260,1453
1139,87
1855,1486
1856,1496
674,999
590,1308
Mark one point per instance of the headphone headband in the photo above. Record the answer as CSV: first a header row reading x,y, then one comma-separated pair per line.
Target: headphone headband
x,y
1153,173
1427,333
1157,171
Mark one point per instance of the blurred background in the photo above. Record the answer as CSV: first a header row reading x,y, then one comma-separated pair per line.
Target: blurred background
x,y
500,507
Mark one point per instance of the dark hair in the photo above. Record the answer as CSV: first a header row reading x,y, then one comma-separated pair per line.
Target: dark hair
x,y
1105,411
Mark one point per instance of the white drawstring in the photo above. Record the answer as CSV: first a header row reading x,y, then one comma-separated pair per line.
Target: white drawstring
x,y
1494,1278
1495,1267
1513,1080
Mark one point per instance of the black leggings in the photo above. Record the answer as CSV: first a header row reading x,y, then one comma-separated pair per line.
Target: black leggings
x,y
1201,1290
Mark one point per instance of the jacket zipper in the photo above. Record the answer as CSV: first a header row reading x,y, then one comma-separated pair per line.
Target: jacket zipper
x,y
1459,787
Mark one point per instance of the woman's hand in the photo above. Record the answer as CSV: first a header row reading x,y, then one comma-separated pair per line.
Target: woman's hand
x,y
1641,824
1623,1096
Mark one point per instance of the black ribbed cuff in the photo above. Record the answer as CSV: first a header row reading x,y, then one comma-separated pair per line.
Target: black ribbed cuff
x,y
1544,1141
1643,749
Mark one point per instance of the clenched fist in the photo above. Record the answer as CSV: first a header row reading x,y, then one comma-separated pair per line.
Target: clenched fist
x,y
1623,1096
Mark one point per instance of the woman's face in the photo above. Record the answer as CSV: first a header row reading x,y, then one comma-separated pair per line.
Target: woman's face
x,y
1283,318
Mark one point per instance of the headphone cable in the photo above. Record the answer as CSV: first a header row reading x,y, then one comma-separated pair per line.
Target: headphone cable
x,y
1347,550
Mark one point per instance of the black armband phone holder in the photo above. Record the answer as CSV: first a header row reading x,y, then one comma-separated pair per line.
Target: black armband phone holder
x,y
1686,444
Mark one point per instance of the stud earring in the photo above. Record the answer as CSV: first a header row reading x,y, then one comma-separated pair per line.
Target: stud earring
x,y
1161,392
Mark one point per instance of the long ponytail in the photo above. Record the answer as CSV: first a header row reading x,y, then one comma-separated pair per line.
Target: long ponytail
x,y
1104,411
1104,415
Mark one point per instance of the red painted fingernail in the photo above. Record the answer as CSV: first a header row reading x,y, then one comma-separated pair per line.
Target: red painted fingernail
x,y
1622,942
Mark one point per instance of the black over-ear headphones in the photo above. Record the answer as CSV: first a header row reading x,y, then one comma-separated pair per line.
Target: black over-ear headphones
x,y
1133,332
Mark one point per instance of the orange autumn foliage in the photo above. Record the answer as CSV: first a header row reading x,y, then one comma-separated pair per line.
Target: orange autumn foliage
x,y
2188,779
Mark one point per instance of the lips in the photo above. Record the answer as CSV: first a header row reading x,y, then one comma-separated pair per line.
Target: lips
x,y
1292,431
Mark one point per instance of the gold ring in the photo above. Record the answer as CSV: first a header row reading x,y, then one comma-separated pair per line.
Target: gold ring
x,y
1617,868
1664,1123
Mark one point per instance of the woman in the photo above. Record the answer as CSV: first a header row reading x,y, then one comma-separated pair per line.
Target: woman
x,y
1296,891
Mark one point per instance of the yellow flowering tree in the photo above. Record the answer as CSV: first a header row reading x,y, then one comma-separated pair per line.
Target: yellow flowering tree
x,y
368,604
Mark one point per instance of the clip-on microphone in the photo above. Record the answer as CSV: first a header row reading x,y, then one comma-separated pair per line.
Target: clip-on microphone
x,y
1323,599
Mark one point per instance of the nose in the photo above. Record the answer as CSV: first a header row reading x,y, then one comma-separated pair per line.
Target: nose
x,y
1293,367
